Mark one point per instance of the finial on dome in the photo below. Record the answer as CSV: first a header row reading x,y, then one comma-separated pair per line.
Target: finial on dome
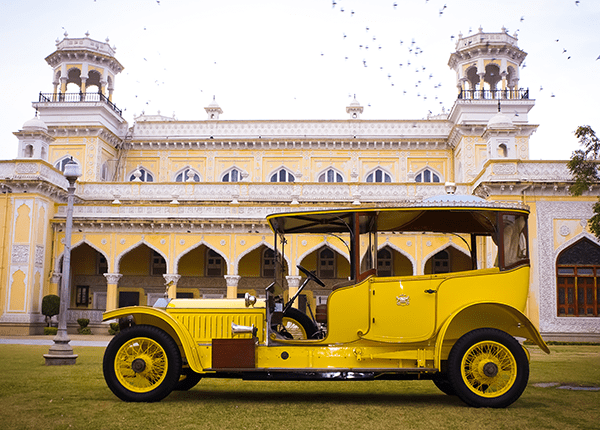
x,y
480,29
213,110
504,29
66,34
87,34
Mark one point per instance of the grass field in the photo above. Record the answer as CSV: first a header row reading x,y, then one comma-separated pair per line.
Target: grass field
x,y
34,396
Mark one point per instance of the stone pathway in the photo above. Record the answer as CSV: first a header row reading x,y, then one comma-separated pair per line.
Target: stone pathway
x,y
564,387
76,340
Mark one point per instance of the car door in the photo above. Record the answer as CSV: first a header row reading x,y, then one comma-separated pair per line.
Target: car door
x,y
402,310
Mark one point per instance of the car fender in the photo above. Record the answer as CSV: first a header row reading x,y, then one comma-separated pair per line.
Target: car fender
x,y
161,319
485,314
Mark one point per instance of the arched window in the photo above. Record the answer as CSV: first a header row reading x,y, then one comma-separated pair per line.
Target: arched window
x,y
214,263
441,262
385,266
159,265
282,175
326,263
330,175
141,175
379,175
502,150
104,172
28,153
385,262
427,175
187,175
60,164
578,280
268,263
233,175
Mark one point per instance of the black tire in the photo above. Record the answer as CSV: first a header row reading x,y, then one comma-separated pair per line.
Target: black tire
x,y
488,368
300,319
441,381
142,364
187,380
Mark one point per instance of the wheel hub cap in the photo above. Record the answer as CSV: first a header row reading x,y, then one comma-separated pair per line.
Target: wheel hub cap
x,y
138,365
490,369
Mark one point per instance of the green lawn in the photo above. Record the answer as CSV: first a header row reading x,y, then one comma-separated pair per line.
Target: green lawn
x,y
35,396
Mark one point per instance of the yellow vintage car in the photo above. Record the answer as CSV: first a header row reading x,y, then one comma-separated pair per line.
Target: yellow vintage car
x,y
458,329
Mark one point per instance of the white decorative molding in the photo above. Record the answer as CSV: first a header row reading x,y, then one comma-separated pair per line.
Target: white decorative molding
x,y
39,256
548,211
293,281
232,280
20,254
112,278
564,230
171,277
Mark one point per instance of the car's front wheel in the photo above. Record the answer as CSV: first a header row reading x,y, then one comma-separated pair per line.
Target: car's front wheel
x,y
142,364
297,325
488,368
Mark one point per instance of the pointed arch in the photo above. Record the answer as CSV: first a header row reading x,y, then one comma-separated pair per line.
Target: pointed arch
x,y
492,75
59,258
281,174
400,251
94,78
120,256
428,175
330,174
187,174
196,246
472,77
379,174
583,235
232,174
314,249
60,163
145,175
256,246
577,277
442,248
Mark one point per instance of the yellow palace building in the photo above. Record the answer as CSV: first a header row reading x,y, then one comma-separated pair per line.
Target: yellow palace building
x,y
178,207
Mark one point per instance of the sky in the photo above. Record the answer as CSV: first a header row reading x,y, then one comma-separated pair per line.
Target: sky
x,y
305,59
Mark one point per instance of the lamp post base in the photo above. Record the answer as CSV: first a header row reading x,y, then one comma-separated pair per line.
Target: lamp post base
x,y
60,354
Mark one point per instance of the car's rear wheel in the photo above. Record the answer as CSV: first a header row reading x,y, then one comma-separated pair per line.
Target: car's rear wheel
x,y
441,381
488,368
142,364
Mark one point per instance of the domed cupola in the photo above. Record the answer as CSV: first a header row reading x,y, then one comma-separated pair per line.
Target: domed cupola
x,y
354,109
213,110
500,134
34,139
500,121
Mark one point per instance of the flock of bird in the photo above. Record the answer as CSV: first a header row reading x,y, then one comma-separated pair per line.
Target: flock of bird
x,y
399,63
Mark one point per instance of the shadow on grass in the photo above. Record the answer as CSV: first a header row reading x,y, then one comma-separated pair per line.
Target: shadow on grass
x,y
323,397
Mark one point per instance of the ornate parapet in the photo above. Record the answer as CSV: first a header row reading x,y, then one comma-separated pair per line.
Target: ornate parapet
x,y
242,193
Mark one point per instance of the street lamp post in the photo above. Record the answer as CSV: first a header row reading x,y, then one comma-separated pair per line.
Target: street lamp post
x,y
61,352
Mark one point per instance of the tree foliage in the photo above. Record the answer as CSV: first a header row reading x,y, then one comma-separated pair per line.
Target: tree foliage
x,y
584,165
50,306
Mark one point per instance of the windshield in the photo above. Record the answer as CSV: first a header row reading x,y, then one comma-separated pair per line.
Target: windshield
x,y
514,232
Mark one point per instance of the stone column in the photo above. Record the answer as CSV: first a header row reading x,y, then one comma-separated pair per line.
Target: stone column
x,y
293,285
232,284
54,281
171,280
112,297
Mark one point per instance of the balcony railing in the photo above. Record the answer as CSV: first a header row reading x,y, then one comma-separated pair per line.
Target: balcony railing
x,y
494,94
78,97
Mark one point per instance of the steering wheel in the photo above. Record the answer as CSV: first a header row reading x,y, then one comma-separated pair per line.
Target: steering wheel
x,y
310,275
